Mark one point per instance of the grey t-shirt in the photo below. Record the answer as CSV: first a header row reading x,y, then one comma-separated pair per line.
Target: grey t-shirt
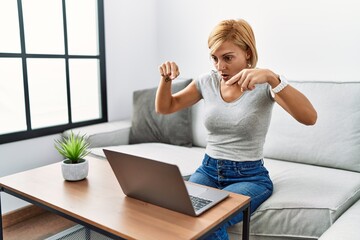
x,y
236,130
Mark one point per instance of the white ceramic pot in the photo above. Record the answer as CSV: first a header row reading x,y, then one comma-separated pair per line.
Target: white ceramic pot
x,y
75,172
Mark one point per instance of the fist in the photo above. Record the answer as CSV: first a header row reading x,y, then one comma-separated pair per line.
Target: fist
x,y
169,70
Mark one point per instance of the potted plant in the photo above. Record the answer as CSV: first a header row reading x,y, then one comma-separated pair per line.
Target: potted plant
x,y
74,148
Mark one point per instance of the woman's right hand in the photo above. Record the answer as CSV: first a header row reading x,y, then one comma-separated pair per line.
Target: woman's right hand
x,y
165,101
169,71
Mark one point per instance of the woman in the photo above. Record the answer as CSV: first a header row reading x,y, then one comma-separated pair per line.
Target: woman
x,y
238,103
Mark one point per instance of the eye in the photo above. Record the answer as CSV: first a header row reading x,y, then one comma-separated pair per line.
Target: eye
x,y
228,58
214,59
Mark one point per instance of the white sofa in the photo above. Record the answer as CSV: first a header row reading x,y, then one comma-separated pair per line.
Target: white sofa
x,y
315,169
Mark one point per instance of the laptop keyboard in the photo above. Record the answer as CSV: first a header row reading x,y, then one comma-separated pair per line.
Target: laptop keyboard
x,y
198,202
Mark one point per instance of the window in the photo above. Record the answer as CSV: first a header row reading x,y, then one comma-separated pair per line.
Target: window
x,y
52,67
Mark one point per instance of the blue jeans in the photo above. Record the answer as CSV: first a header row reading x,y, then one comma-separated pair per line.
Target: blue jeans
x,y
249,178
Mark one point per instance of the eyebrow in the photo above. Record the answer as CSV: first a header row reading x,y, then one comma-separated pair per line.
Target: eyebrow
x,y
213,55
228,53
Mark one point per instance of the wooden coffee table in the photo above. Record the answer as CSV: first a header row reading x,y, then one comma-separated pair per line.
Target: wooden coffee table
x,y
99,204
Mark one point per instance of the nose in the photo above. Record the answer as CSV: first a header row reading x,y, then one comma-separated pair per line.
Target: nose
x,y
220,65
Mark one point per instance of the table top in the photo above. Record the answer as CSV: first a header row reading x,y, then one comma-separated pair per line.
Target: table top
x,y
99,201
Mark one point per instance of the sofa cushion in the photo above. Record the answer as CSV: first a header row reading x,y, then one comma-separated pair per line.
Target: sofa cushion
x,y
346,227
149,126
311,195
334,141
104,134
187,159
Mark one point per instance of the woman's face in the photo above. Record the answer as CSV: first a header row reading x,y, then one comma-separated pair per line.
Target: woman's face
x,y
229,59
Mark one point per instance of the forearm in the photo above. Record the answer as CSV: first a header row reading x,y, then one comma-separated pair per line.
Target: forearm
x,y
297,105
165,101
293,101
163,97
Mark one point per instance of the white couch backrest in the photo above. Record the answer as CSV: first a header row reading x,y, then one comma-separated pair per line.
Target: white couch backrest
x,y
334,141
199,131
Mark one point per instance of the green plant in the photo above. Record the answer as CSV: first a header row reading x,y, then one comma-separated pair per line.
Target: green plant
x,y
74,147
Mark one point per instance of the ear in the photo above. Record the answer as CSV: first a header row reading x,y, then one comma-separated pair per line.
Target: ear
x,y
248,53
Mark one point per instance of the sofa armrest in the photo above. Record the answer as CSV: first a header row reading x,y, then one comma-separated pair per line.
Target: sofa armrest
x,y
105,134
346,226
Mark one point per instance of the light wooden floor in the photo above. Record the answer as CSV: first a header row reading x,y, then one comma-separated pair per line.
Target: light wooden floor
x,y
37,228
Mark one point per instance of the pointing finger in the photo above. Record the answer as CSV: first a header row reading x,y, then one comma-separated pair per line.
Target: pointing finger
x,y
233,80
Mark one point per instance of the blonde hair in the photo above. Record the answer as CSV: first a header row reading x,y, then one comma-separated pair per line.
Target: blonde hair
x,y
238,32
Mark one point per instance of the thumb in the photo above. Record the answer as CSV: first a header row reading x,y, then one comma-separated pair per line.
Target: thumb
x,y
174,75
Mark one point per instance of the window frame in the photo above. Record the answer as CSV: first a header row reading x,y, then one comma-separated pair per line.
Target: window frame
x,y
33,133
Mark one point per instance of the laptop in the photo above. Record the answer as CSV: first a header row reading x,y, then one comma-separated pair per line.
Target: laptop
x,y
161,184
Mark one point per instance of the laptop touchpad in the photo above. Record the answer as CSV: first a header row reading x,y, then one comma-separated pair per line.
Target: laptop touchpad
x,y
195,190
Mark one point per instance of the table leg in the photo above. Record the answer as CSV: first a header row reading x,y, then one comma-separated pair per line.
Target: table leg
x,y
246,224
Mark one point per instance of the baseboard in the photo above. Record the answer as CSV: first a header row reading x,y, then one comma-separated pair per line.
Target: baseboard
x,y
21,214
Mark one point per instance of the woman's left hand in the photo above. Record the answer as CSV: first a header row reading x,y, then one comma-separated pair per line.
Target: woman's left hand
x,y
293,101
247,78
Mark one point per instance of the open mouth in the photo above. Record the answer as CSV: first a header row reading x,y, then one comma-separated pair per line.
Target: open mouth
x,y
225,77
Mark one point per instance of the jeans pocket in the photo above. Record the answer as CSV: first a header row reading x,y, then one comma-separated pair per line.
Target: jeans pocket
x,y
251,171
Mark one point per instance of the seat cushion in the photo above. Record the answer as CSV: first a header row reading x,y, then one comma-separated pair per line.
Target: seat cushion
x,y
307,200
346,227
187,159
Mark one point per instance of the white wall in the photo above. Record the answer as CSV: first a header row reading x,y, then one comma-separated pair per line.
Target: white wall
x,y
302,39
131,52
